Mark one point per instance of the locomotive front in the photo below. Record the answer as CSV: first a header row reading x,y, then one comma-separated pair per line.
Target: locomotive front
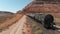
x,y
46,19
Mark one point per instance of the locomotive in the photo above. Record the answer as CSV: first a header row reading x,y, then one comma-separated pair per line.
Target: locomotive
x,y
46,19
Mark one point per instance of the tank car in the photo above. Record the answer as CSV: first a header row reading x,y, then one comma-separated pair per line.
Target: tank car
x,y
46,19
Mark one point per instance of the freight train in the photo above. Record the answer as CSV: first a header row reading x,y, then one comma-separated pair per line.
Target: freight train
x,y
46,19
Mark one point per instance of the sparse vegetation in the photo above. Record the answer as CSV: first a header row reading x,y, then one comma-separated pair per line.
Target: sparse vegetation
x,y
3,17
10,21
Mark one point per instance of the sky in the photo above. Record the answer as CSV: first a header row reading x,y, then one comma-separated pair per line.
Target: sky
x,y
13,5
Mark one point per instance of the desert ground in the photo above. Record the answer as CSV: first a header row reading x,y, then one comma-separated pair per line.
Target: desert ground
x,y
22,24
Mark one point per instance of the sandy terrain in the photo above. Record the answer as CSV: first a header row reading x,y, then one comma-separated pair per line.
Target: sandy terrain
x,y
9,22
15,28
26,25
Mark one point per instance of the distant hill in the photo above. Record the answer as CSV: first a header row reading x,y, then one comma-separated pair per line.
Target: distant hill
x,y
4,15
5,12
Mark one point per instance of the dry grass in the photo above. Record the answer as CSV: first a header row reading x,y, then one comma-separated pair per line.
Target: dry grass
x,y
9,22
3,17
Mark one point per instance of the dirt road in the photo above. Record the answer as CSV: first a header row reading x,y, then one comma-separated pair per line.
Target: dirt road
x,y
15,28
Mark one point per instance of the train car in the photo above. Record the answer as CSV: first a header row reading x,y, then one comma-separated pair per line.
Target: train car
x,y
46,19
